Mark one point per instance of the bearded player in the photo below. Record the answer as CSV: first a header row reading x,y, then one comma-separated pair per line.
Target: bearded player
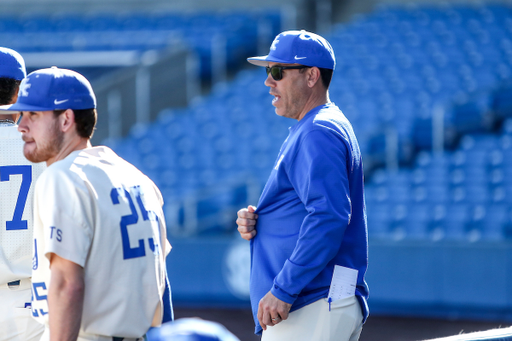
x,y
99,236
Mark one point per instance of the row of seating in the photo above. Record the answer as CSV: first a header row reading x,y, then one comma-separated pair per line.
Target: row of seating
x,y
234,34
131,21
440,222
465,194
397,65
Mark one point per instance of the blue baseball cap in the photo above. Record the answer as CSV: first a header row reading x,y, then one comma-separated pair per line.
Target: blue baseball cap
x,y
299,47
53,89
12,64
191,329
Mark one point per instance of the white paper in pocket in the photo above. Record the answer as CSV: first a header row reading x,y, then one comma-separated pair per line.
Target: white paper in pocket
x,y
343,283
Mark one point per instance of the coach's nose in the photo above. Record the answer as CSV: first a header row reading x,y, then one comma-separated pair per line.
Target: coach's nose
x,y
270,82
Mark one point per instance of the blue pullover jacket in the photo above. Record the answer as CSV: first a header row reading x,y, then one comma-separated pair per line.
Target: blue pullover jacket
x,y
312,214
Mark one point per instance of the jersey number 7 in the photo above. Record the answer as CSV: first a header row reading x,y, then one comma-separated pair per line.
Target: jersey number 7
x,y
26,179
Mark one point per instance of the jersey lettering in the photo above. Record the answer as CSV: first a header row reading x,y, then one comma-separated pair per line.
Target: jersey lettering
x,y
26,179
58,233
147,215
35,313
35,259
39,293
131,219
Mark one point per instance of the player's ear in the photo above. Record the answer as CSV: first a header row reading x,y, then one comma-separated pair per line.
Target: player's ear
x,y
66,120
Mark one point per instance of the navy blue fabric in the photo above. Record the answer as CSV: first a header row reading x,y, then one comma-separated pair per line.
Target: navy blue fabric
x,y
311,214
167,299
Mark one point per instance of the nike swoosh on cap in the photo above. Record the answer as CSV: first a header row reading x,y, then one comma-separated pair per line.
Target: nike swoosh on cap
x,y
299,57
60,102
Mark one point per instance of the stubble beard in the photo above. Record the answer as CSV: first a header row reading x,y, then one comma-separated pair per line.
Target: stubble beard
x,y
46,150
292,109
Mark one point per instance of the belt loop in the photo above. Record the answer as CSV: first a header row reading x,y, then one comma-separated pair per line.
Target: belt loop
x,y
14,284
18,284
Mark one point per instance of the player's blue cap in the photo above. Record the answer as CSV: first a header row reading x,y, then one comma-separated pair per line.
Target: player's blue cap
x,y
53,89
12,64
191,329
299,47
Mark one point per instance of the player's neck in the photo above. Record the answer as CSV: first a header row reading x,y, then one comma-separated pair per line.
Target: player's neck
x,y
75,144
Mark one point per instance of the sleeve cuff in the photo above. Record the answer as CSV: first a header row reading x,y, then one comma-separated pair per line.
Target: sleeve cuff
x,y
282,295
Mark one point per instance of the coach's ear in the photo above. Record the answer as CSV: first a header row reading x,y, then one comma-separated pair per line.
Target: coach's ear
x,y
313,76
66,120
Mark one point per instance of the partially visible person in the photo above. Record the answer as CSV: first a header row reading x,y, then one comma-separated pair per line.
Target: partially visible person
x,y
17,176
99,237
308,234
191,329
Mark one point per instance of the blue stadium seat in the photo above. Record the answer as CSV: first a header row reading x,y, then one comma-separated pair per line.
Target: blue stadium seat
x,y
493,227
417,221
469,113
454,225
502,101
379,219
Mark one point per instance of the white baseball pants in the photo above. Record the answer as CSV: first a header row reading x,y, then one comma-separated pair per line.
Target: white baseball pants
x,y
315,322
90,337
16,321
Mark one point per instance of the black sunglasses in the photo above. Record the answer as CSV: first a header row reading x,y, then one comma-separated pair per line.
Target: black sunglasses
x,y
277,71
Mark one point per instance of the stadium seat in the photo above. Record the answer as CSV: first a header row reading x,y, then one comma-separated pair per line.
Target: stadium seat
x,y
379,218
502,101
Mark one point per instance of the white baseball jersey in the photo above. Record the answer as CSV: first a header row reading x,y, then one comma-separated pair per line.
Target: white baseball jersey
x,y
17,175
100,212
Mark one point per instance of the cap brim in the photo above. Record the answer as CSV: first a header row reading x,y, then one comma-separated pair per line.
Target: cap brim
x,y
259,61
5,110
264,60
17,107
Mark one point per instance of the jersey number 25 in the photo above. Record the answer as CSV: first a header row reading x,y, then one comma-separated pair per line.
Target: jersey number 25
x,y
133,218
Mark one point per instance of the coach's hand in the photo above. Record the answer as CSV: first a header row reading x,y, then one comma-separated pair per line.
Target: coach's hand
x,y
247,222
272,310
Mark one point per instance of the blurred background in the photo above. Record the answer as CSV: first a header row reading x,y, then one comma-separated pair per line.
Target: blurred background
x,y
427,86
